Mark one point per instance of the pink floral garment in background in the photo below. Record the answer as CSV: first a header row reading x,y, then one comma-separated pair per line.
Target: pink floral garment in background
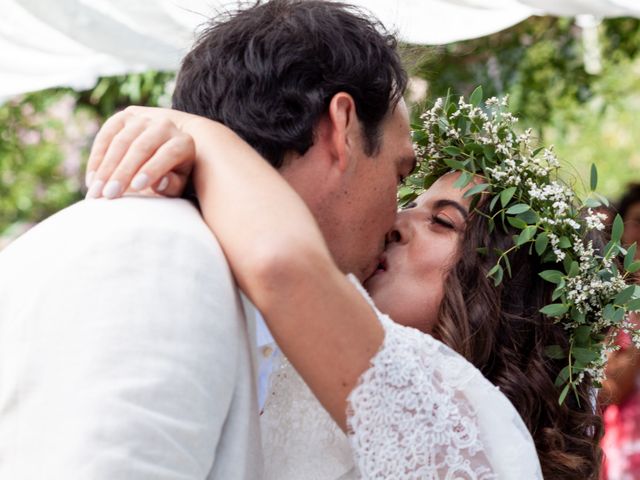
x,y
621,442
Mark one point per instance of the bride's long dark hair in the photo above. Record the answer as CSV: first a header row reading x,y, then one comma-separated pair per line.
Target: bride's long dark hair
x,y
501,331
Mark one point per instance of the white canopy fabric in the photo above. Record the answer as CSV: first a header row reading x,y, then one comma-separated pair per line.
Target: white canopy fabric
x,y
46,43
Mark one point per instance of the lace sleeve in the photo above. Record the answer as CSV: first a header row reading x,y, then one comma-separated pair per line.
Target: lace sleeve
x,y
421,411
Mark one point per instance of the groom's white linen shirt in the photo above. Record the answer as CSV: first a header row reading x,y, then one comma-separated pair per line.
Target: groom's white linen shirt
x,y
124,351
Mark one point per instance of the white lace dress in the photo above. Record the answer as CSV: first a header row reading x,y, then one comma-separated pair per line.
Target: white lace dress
x,y
421,411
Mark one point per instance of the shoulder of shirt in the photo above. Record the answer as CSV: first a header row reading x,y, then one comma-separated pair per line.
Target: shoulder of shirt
x,y
143,218
108,228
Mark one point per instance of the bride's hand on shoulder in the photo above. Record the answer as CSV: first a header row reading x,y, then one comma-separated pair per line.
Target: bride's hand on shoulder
x,y
144,150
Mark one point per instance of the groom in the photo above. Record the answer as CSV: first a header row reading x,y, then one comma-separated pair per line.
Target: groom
x,y
126,350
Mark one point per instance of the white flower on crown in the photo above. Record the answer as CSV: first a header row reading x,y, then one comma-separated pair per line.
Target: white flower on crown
x,y
594,220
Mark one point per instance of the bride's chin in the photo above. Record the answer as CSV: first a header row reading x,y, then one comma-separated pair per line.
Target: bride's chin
x,y
372,284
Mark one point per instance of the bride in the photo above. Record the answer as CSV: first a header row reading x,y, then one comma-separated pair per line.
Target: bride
x,y
460,384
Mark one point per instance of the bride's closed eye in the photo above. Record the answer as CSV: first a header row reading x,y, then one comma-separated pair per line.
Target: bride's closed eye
x,y
443,221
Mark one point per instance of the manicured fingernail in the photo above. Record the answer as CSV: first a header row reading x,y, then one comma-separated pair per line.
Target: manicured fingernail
x,y
96,189
88,180
164,183
140,181
112,189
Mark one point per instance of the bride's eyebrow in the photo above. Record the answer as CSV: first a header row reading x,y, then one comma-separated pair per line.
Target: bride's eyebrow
x,y
451,203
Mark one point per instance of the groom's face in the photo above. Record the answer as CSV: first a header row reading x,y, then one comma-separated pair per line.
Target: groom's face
x,y
368,208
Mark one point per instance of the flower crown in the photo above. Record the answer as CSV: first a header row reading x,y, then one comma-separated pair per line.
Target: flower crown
x,y
591,297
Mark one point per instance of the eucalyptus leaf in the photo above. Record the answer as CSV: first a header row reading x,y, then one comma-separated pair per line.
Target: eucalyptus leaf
x,y
617,229
564,242
625,295
584,355
577,316
634,305
507,264
608,312
506,195
463,180
497,278
493,202
566,263
405,192
488,152
518,208
563,376
451,150
517,222
634,267
454,164
542,240
578,365
417,181
549,256
496,273
476,189
526,235
563,394
403,201
582,334
609,247
628,258
555,309
574,269
529,216
630,255
557,293
474,147
553,276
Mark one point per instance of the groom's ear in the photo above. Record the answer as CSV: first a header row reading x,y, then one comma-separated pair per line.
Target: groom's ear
x,y
344,130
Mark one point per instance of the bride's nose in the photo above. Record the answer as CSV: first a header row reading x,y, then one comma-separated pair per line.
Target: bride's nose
x,y
400,231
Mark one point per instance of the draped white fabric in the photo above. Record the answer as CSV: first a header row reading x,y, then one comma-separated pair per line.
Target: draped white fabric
x,y
46,43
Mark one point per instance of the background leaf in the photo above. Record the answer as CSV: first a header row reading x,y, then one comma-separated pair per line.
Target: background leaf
x,y
593,183
476,97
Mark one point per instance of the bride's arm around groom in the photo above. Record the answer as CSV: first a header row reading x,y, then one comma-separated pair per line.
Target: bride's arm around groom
x,y
123,349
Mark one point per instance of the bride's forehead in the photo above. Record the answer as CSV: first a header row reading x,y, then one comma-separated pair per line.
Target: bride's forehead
x,y
442,188
445,188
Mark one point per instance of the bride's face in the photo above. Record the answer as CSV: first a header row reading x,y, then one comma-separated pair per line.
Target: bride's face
x,y
421,249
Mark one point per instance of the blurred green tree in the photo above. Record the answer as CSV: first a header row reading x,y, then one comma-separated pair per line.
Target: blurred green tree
x,y
45,138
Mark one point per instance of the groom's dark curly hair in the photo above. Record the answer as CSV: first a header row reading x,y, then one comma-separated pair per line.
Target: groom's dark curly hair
x,y
269,72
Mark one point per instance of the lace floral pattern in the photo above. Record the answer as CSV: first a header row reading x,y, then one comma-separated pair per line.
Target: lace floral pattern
x,y
420,411
408,420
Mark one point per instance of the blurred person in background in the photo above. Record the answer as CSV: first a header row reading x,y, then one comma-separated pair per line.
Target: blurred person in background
x,y
620,391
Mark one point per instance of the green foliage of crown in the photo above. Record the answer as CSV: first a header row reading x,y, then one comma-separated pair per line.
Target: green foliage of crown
x,y
521,182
